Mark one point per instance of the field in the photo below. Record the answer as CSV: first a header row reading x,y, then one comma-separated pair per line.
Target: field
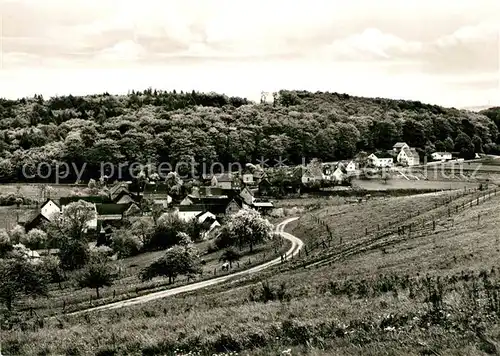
x,y
431,292
401,183
33,191
68,297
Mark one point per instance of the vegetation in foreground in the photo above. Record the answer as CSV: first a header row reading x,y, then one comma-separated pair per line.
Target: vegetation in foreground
x,y
434,294
141,258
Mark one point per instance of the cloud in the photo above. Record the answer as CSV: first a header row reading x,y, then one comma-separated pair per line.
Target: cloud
x,y
482,32
127,50
371,44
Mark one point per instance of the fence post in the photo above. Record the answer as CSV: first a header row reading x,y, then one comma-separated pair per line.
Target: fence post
x,y
366,231
478,218
433,224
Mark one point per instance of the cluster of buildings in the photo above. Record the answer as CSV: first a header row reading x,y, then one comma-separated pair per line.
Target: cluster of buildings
x,y
221,196
401,154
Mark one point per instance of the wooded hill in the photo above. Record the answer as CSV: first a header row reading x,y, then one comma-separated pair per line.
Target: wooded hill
x,y
208,127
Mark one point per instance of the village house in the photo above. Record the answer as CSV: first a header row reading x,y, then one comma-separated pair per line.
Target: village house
x,y
380,162
350,166
312,173
209,224
398,146
441,156
264,187
247,176
225,181
258,175
263,207
408,157
120,194
48,211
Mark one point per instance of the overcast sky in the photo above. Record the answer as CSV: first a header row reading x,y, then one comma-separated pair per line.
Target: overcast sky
x,y
443,52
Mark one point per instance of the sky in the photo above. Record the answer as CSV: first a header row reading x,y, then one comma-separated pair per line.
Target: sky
x,y
440,52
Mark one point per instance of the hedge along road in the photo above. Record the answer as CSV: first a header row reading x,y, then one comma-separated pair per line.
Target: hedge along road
x,y
297,244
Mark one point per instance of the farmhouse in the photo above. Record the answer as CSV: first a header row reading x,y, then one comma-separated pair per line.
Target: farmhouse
x,y
263,207
48,211
441,156
264,187
225,181
350,166
398,146
209,224
120,194
312,173
408,156
380,162
259,175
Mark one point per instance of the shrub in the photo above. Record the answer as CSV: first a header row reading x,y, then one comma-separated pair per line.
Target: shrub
x,y
125,244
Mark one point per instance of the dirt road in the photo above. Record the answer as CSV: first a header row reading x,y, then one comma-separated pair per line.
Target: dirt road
x,y
296,246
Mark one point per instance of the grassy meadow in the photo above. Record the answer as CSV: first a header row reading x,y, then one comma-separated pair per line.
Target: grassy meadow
x,y
432,293
68,297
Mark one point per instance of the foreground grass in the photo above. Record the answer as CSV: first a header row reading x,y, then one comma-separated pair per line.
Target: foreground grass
x,y
71,298
432,294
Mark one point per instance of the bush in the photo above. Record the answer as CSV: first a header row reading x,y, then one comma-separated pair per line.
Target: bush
x,y
125,244
35,239
5,243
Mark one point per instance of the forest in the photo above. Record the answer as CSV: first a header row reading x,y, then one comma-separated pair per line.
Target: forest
x,y
155,126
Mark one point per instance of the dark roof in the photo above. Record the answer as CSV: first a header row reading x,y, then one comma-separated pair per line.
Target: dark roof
x,y
117,187
265,181
399,144
224,177
35,222
28,216
111,209
193,207
156,188
97,199
214,205
216,191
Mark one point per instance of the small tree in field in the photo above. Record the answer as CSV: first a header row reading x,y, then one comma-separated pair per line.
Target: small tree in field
x,y
51,265
249,228
20,277
178,260
143,229
69,231
125,243
230,255
96,274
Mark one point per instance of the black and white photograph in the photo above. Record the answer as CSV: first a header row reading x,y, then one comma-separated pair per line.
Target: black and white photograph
x,y
249,178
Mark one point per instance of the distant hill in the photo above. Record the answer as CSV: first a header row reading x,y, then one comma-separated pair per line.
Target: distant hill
x,y
173,127
477,108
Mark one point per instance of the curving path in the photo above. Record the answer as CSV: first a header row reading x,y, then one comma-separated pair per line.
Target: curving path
x,y
297,244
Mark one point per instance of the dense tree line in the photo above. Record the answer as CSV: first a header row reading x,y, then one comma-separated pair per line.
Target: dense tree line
x,y
172,127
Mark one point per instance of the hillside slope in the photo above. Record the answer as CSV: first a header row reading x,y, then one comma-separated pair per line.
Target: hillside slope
x,y
178,127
